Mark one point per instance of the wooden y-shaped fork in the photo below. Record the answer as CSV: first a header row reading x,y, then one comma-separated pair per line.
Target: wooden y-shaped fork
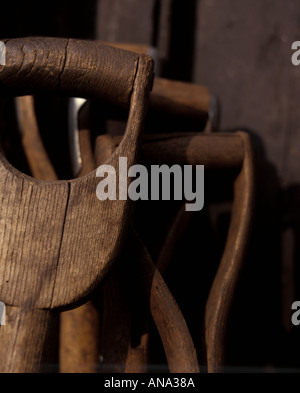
x,y
57,240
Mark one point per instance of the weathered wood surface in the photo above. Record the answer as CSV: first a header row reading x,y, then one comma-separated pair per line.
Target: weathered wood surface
x,y
67,66
45,236
55,206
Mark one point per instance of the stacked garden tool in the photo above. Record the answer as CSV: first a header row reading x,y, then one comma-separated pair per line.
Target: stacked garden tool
x,y
113,285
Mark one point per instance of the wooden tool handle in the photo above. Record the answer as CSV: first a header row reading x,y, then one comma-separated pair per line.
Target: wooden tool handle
x,y
219,150
220,299
180,98
177,98
73,67
23,338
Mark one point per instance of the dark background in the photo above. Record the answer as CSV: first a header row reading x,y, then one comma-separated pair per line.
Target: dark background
x,y
240,50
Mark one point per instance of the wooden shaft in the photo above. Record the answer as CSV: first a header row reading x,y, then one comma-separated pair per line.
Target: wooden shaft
x,y
23,338
180,98
173,97
218,307
137,358
211,150
178,345
37,157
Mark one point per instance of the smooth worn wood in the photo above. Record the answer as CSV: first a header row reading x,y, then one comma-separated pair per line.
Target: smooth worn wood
x,y
221,150
219,303
58,241
180,98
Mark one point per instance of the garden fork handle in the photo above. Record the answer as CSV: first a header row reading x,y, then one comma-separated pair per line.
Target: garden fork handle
x,y
38,281
76,68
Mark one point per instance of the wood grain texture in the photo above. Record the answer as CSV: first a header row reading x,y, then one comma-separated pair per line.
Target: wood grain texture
x,y
58,241
73,67
24,340
55,228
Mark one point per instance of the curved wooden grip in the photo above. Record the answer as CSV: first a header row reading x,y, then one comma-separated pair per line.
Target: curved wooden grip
x,y
73,67
219,302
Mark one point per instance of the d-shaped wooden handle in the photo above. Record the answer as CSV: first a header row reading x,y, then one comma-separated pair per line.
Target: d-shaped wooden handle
x,y
76,68
57,239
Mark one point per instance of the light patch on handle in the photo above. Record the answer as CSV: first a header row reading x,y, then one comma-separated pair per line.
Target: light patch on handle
x,y
2,54
2,314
